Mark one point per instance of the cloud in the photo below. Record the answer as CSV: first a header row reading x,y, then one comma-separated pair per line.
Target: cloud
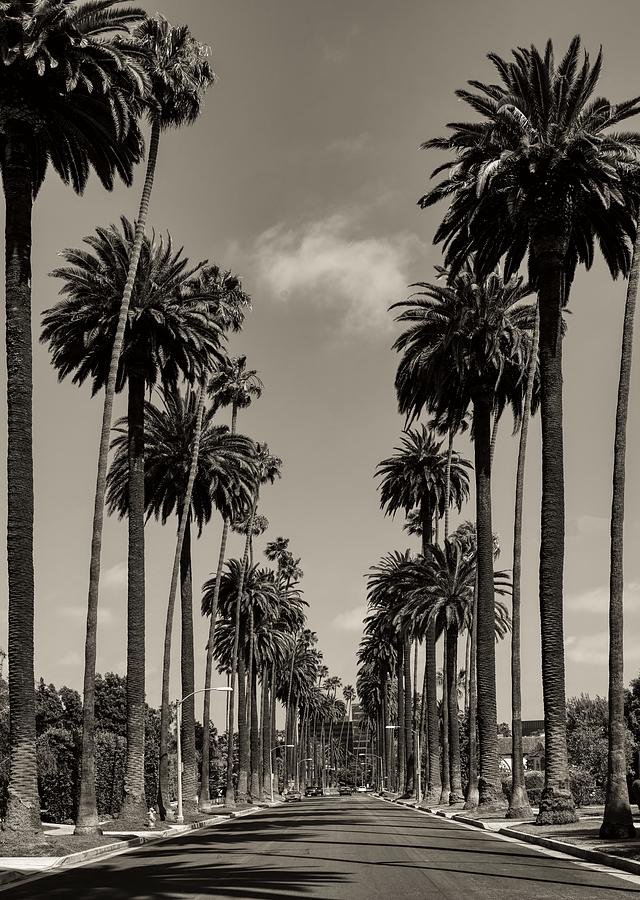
x,y
351,619
329,264
587,526
593,649
350,146
114,577
79,613
596,600
72,658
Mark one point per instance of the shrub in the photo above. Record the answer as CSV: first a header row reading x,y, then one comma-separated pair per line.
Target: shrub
x,y
110,763
584,787
58,753
534,783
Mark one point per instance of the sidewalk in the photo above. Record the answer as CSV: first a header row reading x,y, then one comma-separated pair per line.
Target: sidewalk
x,y
15,869
580,839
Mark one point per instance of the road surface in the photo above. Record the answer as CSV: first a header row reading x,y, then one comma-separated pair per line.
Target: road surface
x,y
335,848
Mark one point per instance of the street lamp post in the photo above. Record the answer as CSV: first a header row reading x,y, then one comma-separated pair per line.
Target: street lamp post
x,y
277,747
300,761
416,734
179,815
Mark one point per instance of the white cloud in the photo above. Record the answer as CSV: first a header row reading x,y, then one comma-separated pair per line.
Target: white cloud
x,y
79,613
587,526
114,577
72,658
350,619
593,649
596,600
350,146
331,265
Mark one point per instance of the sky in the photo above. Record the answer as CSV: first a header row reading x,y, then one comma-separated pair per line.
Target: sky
x,y
302,175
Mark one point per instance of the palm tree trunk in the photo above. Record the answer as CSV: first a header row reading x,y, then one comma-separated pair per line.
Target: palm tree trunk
x,y
205,795
288,754
556,802
272,713
454,727
402,759
190,776
229,793
243,732
489,784
87,818
519,807
23,809
267,741
446,759
434,784
255,734
618,821
472,796
408,717
135,806
182,567
467,670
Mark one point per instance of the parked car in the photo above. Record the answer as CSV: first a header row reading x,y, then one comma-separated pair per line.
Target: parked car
x,y
313,791
291,795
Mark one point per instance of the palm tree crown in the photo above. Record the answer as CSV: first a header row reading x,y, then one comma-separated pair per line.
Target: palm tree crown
x,y
74,92
542,153
172,328
225,476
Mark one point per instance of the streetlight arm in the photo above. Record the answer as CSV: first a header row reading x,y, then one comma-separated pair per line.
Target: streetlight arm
x,y
202,691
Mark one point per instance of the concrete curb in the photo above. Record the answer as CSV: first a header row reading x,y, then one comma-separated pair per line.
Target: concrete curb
x,y
12,878
596,856
630,866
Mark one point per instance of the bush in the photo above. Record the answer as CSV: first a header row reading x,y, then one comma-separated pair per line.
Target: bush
x,y
534,783
58,752
584,787
110,762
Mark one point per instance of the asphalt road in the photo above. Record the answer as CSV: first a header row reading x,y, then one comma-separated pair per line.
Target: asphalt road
x,y
355,848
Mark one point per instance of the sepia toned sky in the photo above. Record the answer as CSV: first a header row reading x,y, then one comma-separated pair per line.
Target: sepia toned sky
x,y
302,175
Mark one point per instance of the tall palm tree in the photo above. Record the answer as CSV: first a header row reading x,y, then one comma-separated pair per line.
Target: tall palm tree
x,y
413,479
172,330
71,97
466,346
177,69
232,385
542,175
259,607
223,479
618,821
518,799
268,468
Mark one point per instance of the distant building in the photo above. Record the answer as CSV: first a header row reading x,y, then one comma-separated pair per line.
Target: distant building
x,y
532,753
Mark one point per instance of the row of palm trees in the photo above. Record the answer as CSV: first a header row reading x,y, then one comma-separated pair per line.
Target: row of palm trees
x,y
79,80
540,176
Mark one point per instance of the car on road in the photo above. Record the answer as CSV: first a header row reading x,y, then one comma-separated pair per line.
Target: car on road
x,y
313,792
345,790
291,795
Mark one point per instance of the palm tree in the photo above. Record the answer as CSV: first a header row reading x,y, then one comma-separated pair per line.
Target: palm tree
x,y
413,479
268,468
177,69
172,330
466,346
236,386
223,479
618,821
259,605
519,807
542,175
78,116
